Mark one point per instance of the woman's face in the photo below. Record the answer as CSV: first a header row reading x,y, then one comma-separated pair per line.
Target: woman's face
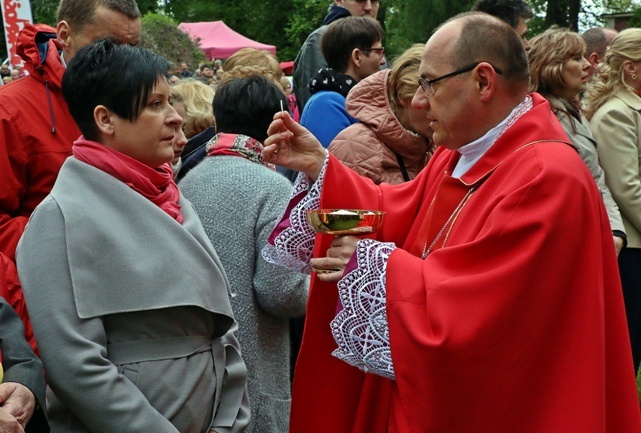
x,y
180,141
415,119
575,74
288,89
149,138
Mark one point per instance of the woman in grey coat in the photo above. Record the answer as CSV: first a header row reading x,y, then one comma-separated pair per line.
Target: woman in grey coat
x,y
128,300
559,72
239,199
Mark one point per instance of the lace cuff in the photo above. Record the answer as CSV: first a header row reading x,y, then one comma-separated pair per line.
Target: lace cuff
x,y
291,244
360,328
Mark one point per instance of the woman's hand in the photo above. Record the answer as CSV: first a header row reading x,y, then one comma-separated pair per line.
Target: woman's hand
x,y
291,145
618,244
332,267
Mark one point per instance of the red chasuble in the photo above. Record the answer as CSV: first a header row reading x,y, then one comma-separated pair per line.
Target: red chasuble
x,y
513,323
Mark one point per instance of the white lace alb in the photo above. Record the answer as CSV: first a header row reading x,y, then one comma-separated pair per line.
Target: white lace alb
x,y
361,329
294,246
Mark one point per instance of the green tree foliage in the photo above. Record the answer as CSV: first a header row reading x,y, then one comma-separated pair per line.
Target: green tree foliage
x,y
44,11
283,23
160,34
589,13
286,23
635,21
412,21
305,17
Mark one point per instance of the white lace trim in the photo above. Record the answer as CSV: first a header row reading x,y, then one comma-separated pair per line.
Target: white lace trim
x,y
294,246
516,114
360,329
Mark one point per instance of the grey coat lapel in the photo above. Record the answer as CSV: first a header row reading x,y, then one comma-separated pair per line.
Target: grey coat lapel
x,y
126,254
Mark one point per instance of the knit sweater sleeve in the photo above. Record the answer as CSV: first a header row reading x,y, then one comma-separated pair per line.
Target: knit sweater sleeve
x,y
280,292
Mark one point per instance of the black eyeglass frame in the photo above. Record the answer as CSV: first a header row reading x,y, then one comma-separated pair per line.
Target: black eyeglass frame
x,y
380,51
426,83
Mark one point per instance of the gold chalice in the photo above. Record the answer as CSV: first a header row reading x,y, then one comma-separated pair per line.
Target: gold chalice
x,y
341,222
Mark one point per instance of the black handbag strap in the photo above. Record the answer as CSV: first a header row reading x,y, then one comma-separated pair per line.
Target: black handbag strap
x,y
401,165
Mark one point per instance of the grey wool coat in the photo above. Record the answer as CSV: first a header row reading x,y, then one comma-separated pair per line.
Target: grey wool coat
x,y
239,202
131,312
583,140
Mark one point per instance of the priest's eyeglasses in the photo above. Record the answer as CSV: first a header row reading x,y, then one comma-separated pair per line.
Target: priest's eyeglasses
x,y
426,84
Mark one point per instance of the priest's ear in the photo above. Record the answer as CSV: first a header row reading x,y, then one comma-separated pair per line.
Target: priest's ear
x,y
485,77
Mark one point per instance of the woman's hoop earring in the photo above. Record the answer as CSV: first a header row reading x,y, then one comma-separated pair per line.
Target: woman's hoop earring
x,y
633,76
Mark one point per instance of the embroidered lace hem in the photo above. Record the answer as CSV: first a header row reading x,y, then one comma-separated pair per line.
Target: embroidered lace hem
x,y
360,329
293,247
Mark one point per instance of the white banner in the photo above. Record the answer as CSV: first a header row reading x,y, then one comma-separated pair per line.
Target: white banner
x,y
15,14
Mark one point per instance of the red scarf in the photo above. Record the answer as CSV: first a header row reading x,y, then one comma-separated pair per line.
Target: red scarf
x,y
237,145
157,184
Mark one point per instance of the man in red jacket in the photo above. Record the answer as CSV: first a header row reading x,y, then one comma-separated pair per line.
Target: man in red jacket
x,y
489,301
36,129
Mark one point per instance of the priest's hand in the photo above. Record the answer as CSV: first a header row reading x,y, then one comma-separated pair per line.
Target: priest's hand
x,y
332,267
291,145
18,401
8,424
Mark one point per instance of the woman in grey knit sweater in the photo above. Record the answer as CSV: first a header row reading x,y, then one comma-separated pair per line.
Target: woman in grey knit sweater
x,y
239,199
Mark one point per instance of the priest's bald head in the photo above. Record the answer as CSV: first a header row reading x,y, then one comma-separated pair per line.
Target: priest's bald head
x,y
474,72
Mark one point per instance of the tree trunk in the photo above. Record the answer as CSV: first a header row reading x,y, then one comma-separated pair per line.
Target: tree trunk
x,y
557,13
574,7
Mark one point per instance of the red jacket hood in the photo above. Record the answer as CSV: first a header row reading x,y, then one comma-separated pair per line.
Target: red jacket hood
x,y
38,47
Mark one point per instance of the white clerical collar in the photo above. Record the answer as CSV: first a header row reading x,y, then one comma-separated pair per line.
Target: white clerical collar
x,y
472,152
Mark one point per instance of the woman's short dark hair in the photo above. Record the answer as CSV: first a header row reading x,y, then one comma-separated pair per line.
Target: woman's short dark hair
x,y
247,106
342,36
120,77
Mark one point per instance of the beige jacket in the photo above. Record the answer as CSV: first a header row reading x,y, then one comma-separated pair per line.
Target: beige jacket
x,y
368,147
617,129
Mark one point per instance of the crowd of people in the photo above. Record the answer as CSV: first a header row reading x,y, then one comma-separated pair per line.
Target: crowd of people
x,y
207,73
158,273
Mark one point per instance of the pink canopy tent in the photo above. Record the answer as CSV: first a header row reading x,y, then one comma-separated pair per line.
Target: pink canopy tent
x,y
219,41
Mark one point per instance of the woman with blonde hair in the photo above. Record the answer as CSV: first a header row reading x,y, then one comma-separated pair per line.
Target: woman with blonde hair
x,y
614,110
254,57
198,98
391,143
200,123
559,71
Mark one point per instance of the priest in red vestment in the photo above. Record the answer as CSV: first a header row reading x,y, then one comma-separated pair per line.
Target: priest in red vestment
x,y
489,302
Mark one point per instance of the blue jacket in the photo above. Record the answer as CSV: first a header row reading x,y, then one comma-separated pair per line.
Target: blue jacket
x,y
325,116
